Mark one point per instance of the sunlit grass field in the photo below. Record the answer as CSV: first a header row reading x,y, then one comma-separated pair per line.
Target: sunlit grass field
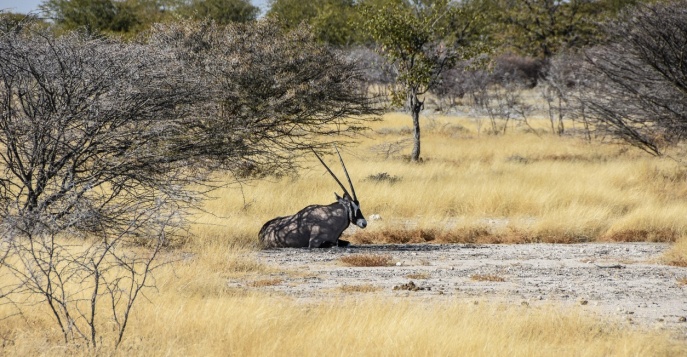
x,y
470,187
474,187
225,325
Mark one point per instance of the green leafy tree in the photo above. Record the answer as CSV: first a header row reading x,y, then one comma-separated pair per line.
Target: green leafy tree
x,y
292,13
129,17
542,28
415,37
335,22
331,21
10,21
472,23
221,11
95,16
149,12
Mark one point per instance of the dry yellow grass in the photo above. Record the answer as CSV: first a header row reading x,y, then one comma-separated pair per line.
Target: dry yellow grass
x,y
366,260
362,288
471,188
265,282
487,277
515,187
677,254
418,276
195,312
263,326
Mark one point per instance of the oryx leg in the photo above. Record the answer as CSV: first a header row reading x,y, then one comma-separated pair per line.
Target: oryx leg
x,y
319,243
322,238
317,239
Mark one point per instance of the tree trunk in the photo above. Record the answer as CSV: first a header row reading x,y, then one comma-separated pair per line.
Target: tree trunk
x,y
415,108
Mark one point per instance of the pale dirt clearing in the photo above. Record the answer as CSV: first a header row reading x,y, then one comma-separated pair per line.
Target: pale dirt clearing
x,y
623,281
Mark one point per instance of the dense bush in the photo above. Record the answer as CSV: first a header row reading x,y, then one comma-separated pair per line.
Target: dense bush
x,y
639,91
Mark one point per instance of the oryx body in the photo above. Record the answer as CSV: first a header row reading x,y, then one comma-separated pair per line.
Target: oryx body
x,y
315,226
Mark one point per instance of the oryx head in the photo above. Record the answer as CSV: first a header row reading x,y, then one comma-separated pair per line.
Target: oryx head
x,y
350,203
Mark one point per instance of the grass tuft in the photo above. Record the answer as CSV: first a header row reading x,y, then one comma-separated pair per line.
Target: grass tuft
x,y
467,235
677,254
487,277
265,282
383,177
643,235
367,260
423,235
363,288
419,276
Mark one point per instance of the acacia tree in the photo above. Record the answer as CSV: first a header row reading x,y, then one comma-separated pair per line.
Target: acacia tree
x,y
80,114
639,91
221,11
106,144
278,94
414,37
95,16
541,28
84,130
331,21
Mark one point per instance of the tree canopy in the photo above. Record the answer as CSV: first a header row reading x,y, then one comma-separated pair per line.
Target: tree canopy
x,y
94,16
537,28
222,11
331,21
542,28
133,16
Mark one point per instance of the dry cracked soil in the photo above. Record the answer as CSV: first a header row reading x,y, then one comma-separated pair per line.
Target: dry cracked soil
x,y
622,281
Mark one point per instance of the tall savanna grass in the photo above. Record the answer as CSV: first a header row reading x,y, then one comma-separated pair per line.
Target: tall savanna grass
x,y
525,186
231,325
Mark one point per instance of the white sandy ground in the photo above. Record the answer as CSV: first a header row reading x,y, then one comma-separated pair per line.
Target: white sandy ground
x,y
621,281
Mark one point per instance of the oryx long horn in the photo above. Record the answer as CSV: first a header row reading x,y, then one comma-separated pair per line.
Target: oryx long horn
x,y
331,173
346,172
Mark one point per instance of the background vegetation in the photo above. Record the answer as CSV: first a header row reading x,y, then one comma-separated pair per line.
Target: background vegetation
x,y
144,142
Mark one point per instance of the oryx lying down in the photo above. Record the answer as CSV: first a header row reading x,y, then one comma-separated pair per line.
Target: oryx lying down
x,y
316,226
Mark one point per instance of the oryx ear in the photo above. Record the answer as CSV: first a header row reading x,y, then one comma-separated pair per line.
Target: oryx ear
x,y
337,196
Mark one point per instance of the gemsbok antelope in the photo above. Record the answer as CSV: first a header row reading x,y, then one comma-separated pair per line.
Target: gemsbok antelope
x,y
316,226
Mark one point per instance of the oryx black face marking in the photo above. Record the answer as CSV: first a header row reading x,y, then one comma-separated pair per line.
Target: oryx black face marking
x,y
357,217
316,226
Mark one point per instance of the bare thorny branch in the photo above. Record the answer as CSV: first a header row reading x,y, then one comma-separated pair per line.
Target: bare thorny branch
x,y
640,87
72,281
